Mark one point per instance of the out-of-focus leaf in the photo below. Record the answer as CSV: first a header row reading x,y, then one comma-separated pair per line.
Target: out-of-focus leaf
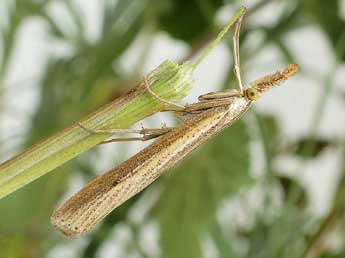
x,y
269,130
342,95
37,202
187,20
222,243
339,255
288,185
315,147
280,237
76,16
18,11
326,14
25,213
112,11
111,47
78,33
12,246
194,191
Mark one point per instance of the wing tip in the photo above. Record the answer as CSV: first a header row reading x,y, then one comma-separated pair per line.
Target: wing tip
x,y
65,228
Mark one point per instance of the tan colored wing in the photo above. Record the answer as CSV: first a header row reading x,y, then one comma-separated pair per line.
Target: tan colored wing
x,y
102,195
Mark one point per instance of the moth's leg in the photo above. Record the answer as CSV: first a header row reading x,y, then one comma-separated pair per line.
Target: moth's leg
x,y
211,100
198,107
170,106
220,95
207,104
147,133
237,69
236,49
108,131
208,101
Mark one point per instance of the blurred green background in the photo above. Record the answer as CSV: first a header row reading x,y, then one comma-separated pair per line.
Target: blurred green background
x,y
273,185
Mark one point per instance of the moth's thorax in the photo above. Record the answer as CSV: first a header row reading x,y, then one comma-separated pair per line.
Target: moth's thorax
x,y
237,107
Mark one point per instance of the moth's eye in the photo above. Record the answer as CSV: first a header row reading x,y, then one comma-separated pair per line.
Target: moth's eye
x,y
252,94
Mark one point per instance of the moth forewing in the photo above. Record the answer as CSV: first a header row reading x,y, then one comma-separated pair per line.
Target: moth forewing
x,y
89,206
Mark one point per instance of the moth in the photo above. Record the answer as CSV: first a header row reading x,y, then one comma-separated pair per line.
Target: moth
x,y
213,113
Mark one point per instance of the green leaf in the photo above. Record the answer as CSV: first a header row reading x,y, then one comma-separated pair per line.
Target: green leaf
x,y
338,254
281,236
193,191
269,133
12,246
222,242
315,147
26,213
109,49
290,185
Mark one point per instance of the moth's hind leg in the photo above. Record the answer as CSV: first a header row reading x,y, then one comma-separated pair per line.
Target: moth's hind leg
x,y
147,133
221,95
236,50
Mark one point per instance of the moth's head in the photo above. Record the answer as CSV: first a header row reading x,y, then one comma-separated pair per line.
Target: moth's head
x,y
251,94
267,82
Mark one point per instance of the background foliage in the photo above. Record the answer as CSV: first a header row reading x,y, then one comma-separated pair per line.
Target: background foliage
x,y
182,214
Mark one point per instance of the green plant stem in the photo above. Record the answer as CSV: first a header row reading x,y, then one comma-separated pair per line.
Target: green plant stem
x,y
220,36
170,81
209,37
